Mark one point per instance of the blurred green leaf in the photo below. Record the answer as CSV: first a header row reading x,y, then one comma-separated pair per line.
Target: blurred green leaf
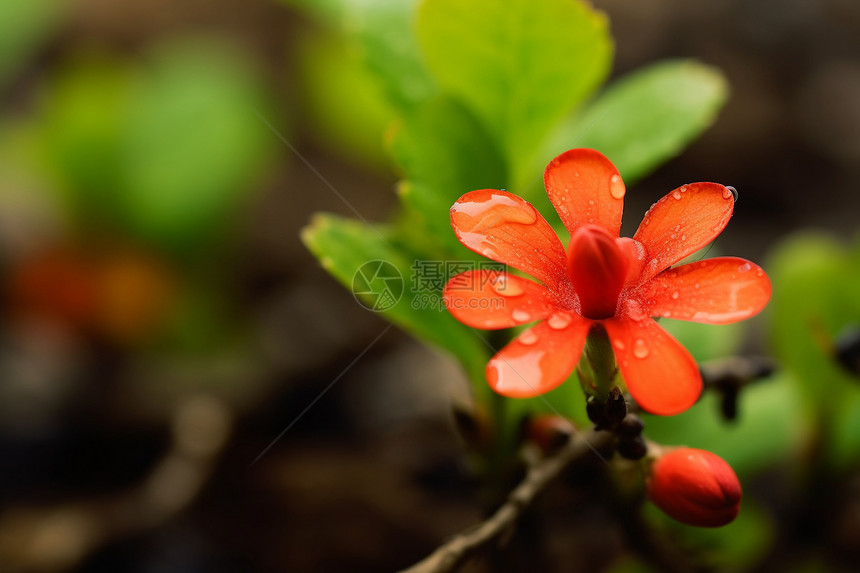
x,y
706,341
344,245
768,429
646,117
815,296
83,116
520,65
23,25
343,102
382,35
193,147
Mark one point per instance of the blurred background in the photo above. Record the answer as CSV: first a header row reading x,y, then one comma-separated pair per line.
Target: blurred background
x,y
182,386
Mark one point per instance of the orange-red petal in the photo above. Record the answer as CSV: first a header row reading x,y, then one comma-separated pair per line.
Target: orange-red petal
x,y
660,374
585,188
493,299
682,222
715,291
540,358
508,229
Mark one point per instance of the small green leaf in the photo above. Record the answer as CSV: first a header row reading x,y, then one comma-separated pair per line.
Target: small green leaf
x,y
343,246
646,117
520,65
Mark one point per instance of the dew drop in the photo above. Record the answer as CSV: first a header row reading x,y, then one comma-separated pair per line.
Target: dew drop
x,y
618,344
676,195
683,237
520,315
528,337
616,187
506,287
639,349
495,210
591,202
559,320
666,314
675,295
730,192
634,309
697,285
746,267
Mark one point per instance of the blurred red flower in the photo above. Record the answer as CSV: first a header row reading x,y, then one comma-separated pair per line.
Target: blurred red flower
x,y
605,280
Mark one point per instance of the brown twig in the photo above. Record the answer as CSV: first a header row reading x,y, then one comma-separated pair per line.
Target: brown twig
x,y
540,475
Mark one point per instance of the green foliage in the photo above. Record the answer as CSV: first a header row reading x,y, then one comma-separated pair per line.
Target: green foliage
x,y
163,153
815,297
519,65
476,90
23,25
682,98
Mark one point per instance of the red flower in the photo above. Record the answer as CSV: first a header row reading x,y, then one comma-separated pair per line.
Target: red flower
x,y
602,279
695,487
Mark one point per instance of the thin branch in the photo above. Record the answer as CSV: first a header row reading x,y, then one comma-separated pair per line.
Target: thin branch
x,y
453,553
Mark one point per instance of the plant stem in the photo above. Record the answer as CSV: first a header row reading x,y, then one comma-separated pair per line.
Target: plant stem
x,y
597,368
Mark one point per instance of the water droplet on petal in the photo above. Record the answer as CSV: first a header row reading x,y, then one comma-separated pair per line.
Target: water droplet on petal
x,y
618,344
520,315
730,192
676,195
559,320
675,295
591,202
746,267
497,209
683,237
616,187
697,285
639,349
666,314
528,337
504,286
634,309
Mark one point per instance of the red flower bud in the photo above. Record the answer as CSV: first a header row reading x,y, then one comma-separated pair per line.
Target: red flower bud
x,y
695,487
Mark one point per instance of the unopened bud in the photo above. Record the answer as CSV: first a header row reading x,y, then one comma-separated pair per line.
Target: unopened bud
x,y
695,487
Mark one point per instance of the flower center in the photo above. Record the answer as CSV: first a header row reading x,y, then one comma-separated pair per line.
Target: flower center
x,y
597,268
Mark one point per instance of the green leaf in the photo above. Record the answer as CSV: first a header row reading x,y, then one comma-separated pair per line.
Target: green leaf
x,y
343,246
445,152
520,65
23,25
647,117
382,33
193,146
330,75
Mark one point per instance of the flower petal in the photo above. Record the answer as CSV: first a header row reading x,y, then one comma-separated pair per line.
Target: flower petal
x,y
682,222
661,375
540,358
494,299
506,228
584,188
715,291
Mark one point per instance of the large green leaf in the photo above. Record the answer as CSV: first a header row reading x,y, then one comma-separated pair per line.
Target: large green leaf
x,y
520,65
647,117
445,152
382,34
343,246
